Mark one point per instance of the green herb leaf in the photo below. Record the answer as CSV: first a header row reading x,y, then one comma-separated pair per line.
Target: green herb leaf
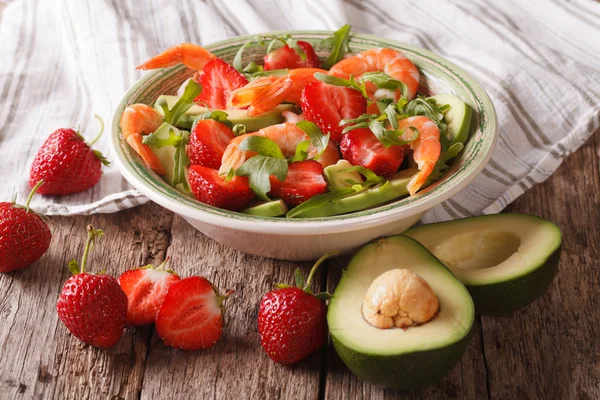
x,y
191,91
370,176
301,153
316,136
443,162
391,137
237,60
181,161
263,146
299,278
239,129
323,296
428,108
155,139
339,44
230,175
101,157
258,169
272,44
337,81
384,81
73,267
217,115
321,199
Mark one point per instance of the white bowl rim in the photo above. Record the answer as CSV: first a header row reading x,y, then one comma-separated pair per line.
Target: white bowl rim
x,y
309,226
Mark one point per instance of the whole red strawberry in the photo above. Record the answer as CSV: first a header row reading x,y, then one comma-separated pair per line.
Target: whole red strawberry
x,y
292,320
146,288
93,307
24,235
191,314
66,163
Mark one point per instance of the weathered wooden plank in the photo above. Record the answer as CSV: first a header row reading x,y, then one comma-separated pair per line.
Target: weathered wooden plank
x,y
236,367
552,347
38,357
466,381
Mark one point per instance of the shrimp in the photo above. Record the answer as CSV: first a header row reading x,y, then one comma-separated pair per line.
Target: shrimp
x,y
426,149
392,62
190,55
265,93
137,120
287,136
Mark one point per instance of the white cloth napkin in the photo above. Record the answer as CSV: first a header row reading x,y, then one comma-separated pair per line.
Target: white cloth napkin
x,y
63,61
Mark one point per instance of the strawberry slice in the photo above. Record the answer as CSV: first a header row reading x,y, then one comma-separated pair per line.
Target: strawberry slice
x,y
361,147
209,187
208,141
145,288
286,57
191,315
304,180
326,105
218,79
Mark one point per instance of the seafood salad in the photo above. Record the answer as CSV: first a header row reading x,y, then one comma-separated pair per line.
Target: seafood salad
x,y
297,136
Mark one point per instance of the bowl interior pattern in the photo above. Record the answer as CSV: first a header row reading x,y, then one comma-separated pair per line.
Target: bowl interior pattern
x,y
437,76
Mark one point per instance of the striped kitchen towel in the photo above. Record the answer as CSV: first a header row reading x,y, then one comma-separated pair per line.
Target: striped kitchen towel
x,y
65,60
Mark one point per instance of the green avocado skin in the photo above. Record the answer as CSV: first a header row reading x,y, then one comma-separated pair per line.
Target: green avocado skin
x,y
403,372
508,296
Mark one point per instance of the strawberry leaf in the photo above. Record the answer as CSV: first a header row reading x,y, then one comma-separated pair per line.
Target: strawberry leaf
x,y
258,169
323,296
339,44
74,267
172,115
299,278
101,157
316,136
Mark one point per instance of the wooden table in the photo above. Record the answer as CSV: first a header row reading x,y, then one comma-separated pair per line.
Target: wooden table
x,y
549,349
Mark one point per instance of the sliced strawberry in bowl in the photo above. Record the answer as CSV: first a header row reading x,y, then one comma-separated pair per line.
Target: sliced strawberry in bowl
x,y
304,180
287,57
145,288
211,188
191,315
218,80
327,105
208,141
361,147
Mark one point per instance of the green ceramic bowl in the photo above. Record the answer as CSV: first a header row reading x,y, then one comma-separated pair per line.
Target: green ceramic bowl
x,y
304,239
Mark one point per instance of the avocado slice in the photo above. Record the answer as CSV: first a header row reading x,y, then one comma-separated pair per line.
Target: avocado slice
x,y
165,154
337,179
275,208
506,261
236,116
396,358
375,196
457,118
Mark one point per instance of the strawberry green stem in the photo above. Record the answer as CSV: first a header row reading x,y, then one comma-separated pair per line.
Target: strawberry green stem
x,y
89,244
35,188
221,299
164,263
314,269
101,130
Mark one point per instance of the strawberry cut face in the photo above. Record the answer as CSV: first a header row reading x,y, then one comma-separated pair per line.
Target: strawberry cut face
x,y
286,57
218,80
304,180
327,105
208,141
210,188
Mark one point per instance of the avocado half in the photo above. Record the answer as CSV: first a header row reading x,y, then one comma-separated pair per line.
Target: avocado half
x,y
397,358
506,261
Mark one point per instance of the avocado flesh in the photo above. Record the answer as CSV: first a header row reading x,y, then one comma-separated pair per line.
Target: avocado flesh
x,y
506,261
236,116
457,118
378,195
275,208
336,179
396,358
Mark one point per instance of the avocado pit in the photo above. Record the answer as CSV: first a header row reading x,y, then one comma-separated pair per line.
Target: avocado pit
x,y
399,298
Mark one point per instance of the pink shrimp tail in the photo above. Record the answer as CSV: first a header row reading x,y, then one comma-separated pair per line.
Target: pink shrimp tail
x,y
261,95
192,56
419,180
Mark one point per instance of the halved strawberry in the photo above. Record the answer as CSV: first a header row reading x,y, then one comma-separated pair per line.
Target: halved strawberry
x,y
286,57
361,147
218,79
191,315
208,141
326,105
209,187
304,180
145,288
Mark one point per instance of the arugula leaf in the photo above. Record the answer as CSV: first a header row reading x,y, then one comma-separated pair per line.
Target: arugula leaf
x,y
191,91
317,138
174,136
442,164
293,43
263,146
301,153
384,81
237,60
430,109
258,169
391,137
339,44
370,176
321,199
337,81
181,161
252,69
217,115
239,129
